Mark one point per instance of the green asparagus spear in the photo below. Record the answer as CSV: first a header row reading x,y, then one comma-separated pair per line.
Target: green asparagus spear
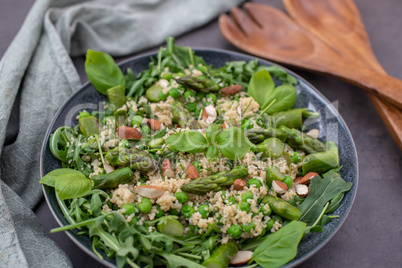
x,y
221,257
183,117
201,83
89,125
321,162
215,182
133,157
112,179
295,138
282,208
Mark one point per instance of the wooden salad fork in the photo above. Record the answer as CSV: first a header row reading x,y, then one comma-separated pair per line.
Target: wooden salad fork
x,y
269,33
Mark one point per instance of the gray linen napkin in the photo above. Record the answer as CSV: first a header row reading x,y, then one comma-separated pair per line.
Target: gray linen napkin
x,y
37,67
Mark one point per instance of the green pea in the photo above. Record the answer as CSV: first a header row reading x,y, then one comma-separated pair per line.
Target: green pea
x,y
182,197
247,227
288,181
264,231
247,124
246,196
162,96
84,114
197,165
232,200
167,76
174,212
145,129
145,205
191,106
296,157
124,143
174,93
244,207
264,211
129,209
189,94
204,211
259,200
270,224
187,211
212,97
136,121
201,95
255,182
235,231
159,212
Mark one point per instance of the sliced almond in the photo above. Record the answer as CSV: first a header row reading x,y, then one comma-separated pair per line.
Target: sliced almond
x,y
263,175
154,124
279,187
241,257
149,191
308,177
192,172
302,190
108,168
209,114
128,133
313,133
297,180
204,115
231,90
225,125
239,184
167,169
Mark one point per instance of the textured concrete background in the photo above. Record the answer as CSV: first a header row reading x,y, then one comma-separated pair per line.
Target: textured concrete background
x,y
371,235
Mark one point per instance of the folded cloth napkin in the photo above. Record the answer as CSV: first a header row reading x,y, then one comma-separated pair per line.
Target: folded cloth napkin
x,y
37,76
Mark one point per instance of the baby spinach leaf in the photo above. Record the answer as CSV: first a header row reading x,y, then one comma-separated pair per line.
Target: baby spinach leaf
x,y
232,143
50,178
322,191
189,141
279,73
103,72
280,247
285,96
212,132
260,87
72,185
212,153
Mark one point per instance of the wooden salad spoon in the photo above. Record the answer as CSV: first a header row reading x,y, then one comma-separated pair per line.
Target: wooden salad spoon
x,y
267,32
338,24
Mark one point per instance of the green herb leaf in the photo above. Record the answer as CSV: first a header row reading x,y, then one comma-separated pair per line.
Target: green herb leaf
x,y
260,87
175,261
232,143
213,131
285,96
50,178
189,141
280,247
212,153
322,191
102,71
280,73
70,186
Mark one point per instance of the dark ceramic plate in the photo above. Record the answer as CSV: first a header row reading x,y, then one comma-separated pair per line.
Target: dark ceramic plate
x,y
330,123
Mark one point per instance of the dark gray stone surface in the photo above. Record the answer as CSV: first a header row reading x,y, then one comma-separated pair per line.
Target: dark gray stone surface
x,y
371,235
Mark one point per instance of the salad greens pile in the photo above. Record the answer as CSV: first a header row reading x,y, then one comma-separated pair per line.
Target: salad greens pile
x,y
85,197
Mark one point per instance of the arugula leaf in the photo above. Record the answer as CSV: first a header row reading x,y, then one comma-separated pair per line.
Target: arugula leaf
x,y
212,153
50,178
232,143
279,73
103,72
321,192
280,247
285,96
212,132
190,141
334,204
72,185
175,261
261,87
